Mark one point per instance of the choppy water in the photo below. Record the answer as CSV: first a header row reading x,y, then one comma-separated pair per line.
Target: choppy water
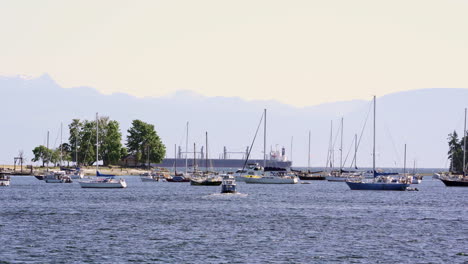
x,y
163,222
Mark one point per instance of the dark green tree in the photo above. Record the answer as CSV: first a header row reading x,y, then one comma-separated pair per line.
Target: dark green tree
x,y
143,141
83,140
74,139
66,153
111,143
455,153
42,153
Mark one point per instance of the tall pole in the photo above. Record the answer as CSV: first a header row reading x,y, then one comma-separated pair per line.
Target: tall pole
x,y
97,143
186,149
464,147
308,156
341,147
206,151
76,149
48,158
264,138
373,149
175,159
194,157
404,163
61,138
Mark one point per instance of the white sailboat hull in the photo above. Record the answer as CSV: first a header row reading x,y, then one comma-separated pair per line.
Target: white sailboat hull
x,y
102,184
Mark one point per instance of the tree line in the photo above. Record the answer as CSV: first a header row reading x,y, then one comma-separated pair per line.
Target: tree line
x,y
142,141
455,153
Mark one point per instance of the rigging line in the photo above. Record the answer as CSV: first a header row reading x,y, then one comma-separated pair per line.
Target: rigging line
x,y
363,128
347,154
387,130
253,141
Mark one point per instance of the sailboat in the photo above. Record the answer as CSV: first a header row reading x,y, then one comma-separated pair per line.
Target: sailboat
x,y
102,180
458,180
271,175
377,183
308,175
208,178
57,176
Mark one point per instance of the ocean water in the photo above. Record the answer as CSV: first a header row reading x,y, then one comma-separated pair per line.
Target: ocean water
x,y
162,222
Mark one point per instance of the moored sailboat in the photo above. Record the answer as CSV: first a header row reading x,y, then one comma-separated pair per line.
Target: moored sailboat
x,y
458,180
377,183
102,180
207,178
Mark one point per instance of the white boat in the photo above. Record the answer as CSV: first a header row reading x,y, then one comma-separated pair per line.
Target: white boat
x,y
416,179
252,169
229,184
4,179
102,180
272,180
276,176
57,177
155,175
76,174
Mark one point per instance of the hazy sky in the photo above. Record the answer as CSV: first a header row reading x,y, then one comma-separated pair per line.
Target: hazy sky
x,y
298,52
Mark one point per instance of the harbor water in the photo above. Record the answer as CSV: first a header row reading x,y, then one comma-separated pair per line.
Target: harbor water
x,y
161,222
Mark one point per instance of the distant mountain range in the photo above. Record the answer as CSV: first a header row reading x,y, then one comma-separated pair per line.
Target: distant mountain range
x,y
420,118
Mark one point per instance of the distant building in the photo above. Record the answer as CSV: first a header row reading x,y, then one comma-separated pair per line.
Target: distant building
x,y
129,161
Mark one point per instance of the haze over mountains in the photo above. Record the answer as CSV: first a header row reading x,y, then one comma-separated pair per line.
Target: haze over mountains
x,y
420,118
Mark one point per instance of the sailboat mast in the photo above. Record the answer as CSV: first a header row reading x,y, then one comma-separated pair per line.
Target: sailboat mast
x,y
264,139
48,158
186,150
61,138
373,148
76,150
194,157
464,147
308,156
404,163
175,159
206,151
341,147
97,143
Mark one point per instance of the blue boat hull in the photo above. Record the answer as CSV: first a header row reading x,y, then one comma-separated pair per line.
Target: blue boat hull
x,y
377,186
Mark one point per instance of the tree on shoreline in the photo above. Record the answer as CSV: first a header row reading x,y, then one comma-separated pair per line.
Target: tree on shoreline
x,y
455,153
144,143
83,141
43,154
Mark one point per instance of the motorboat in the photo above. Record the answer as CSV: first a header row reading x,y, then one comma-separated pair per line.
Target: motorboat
x,y
57,177
4,179
273,176
228,184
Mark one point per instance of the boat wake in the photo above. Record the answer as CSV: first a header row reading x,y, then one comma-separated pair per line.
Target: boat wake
x,y
224,195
